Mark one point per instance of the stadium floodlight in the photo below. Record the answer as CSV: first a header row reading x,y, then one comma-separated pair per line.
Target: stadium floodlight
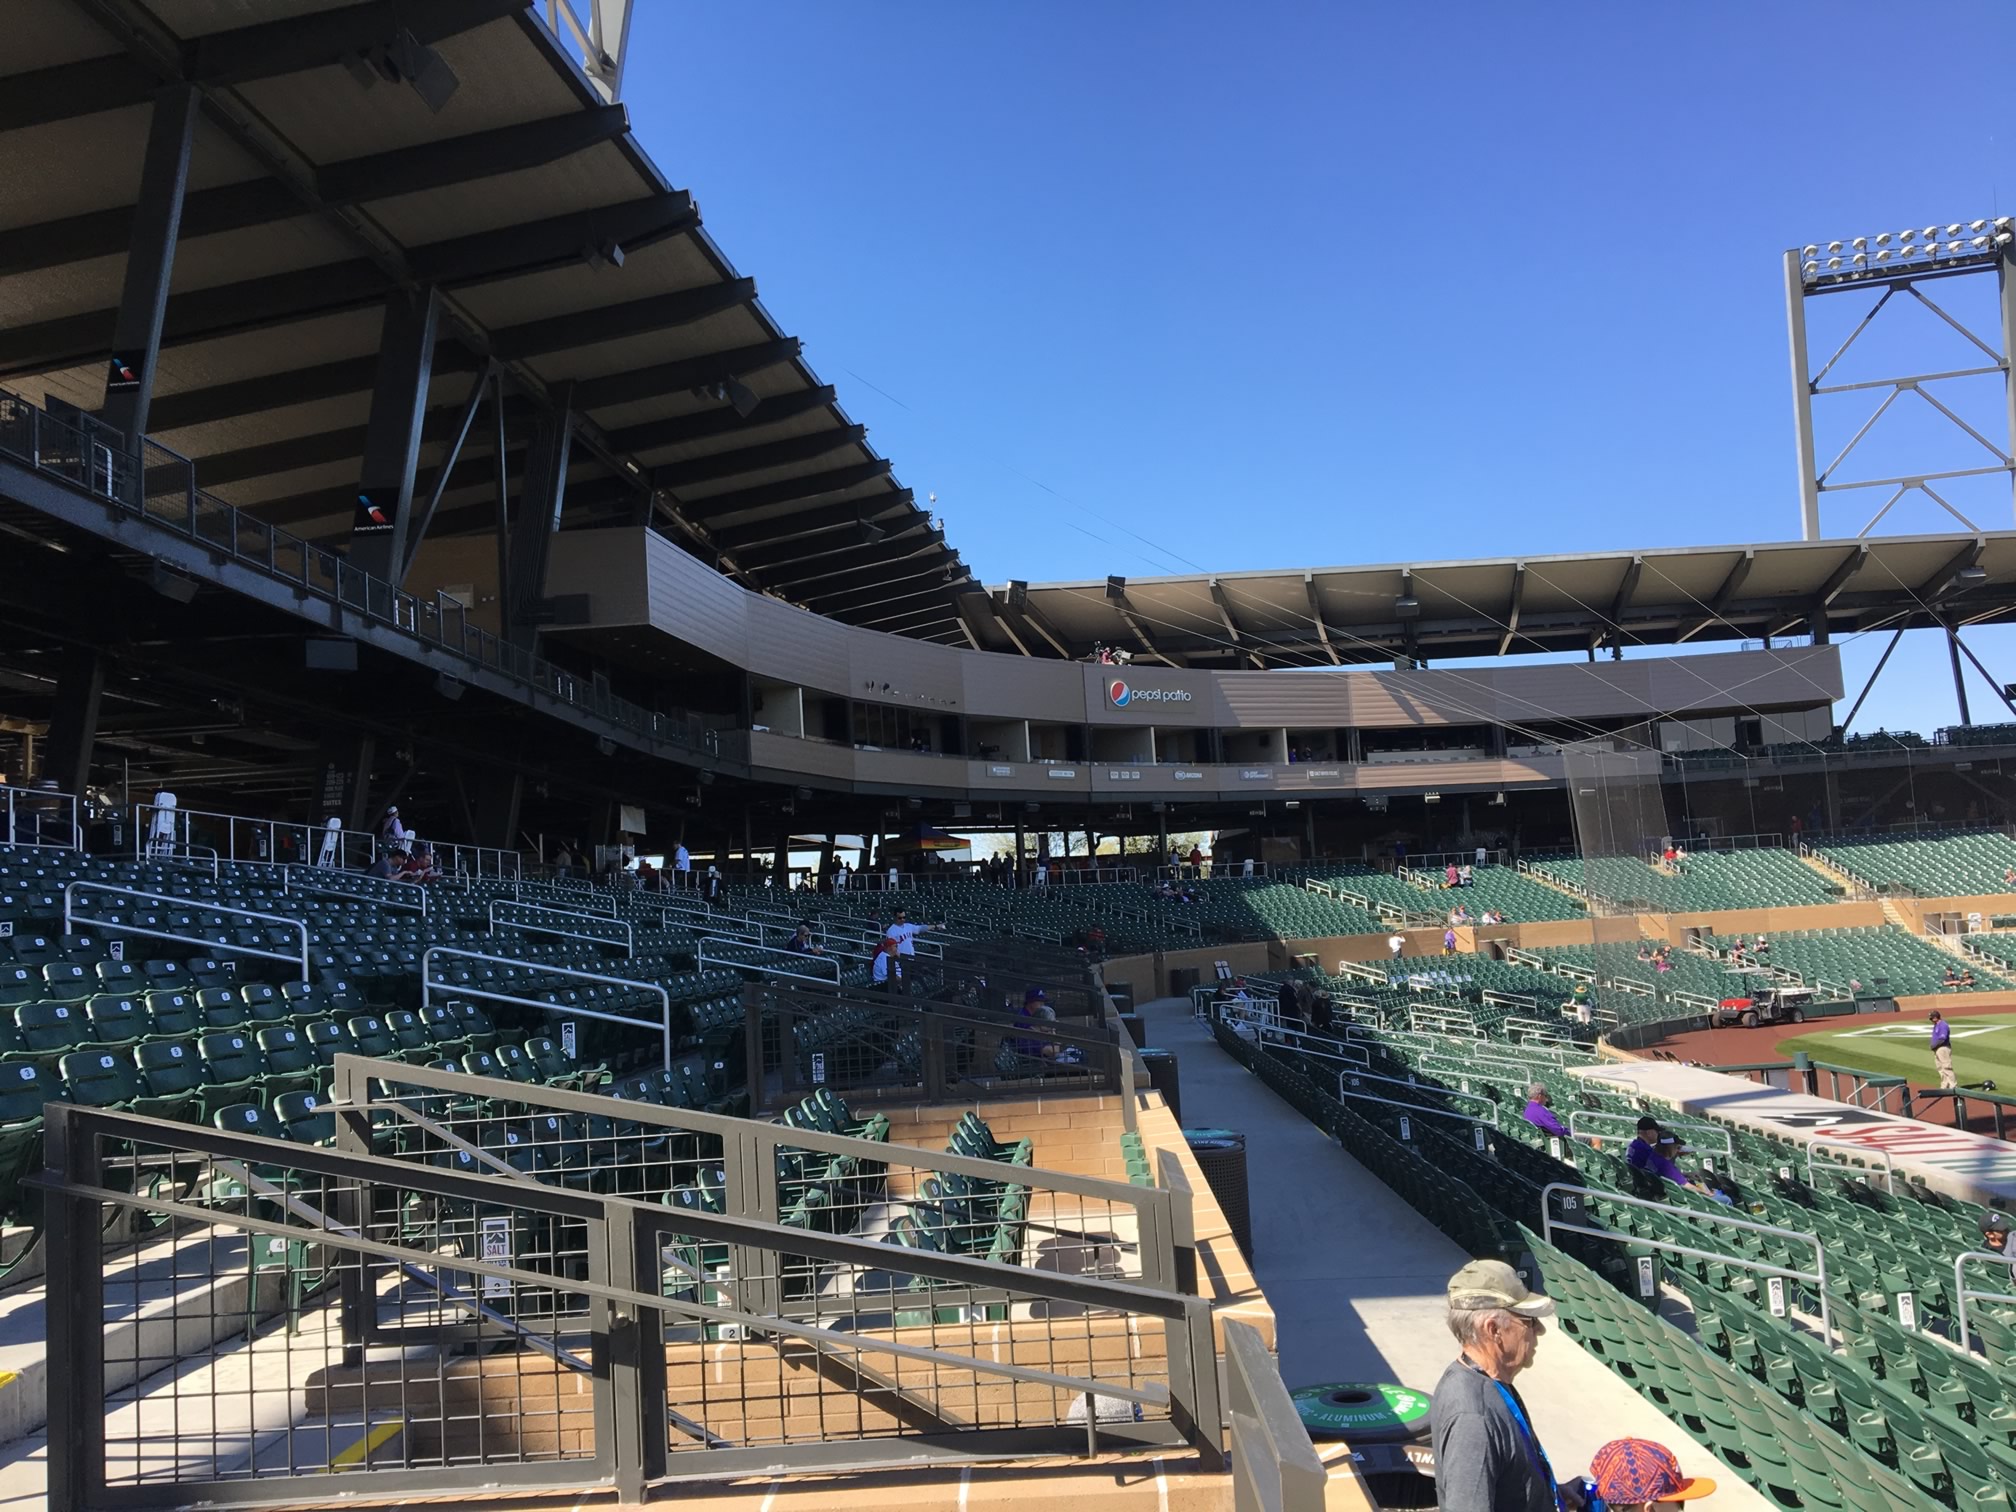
x,y
1897,260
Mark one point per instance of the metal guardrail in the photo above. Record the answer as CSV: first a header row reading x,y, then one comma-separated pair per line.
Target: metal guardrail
x,y
1128,1232
40,816
1963,1293
1350,1087
1586,1120
705,958
536,1349
1579,1195
428,986
245,838
1275,1468
342,884
158,486
913,1050
189,855
71,917
533,926
1813,1148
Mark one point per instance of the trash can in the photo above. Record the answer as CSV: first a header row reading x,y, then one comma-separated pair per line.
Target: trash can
x,y
1122,994
1221,1156
1387,1429
1137,1028
1161,1066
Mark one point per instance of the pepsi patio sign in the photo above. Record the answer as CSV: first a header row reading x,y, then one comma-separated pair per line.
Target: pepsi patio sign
x,y
1122,695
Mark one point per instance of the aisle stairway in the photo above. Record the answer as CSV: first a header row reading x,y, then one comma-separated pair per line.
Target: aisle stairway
x,y
1356,1276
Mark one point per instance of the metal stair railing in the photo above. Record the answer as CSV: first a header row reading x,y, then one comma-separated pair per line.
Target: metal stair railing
x,y
428,986
533,926
72,917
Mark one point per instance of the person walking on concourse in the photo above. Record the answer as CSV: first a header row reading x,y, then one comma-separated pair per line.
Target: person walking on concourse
x,y
1487,1456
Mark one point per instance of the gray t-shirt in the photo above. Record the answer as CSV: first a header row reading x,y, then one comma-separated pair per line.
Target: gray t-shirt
x,y
1483,1463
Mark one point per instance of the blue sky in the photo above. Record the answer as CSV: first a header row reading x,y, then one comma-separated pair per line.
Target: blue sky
x,y
1152,288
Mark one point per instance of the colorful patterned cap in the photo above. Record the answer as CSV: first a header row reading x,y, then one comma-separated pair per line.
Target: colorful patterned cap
x,y
1630,1470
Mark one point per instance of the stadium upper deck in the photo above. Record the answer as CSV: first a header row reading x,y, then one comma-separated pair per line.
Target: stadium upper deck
x,y
345,262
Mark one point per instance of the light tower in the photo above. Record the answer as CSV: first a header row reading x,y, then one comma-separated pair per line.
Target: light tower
x,y
1897,265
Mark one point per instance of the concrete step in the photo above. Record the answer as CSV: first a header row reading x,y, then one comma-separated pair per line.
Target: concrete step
x,y
162,1304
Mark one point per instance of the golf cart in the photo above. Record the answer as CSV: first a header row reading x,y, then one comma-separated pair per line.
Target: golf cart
x,y
1772,1004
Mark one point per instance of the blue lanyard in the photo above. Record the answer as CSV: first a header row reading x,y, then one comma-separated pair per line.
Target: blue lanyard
x,y
1535,1455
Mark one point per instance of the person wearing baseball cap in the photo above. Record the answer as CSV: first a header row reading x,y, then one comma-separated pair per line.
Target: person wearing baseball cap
x,y
1487,1456
1630,1474
1995,1235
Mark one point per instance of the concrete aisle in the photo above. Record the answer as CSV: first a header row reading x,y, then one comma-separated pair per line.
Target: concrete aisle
x,y
1356,1276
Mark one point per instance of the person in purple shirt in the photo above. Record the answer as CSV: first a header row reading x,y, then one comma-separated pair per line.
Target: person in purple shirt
x,y
1644,1154
1540,1112
1942,1049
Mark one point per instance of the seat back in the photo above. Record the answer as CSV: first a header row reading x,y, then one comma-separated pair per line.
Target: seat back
x,y
46,1026
100,1078
169,1066
229,1055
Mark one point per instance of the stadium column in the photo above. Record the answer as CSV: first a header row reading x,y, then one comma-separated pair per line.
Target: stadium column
x,y
392,435
73,724
150,259
543,497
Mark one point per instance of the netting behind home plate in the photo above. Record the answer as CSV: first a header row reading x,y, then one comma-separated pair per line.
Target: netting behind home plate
x,y
1618,805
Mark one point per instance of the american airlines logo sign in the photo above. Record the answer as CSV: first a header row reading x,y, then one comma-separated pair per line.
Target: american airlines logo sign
x,y
1121,696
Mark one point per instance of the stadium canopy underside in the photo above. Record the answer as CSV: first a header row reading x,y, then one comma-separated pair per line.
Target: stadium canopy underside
x,y
1585,602
339,212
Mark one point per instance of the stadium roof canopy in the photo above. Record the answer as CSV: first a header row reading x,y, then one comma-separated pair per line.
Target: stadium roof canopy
x,y
327,173
1508,605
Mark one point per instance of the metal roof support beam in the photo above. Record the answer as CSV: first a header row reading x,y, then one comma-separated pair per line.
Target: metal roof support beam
x,y
150,259
1953,637
272,48
1316,617
709,425
1624,591
1020,603
539,511
688,373
636,317
771,556
1723,595
45,96
423,517
1224,602
254,202
855,600
795,490
1935,587
378,536
866,573
284,298
1512,612
731,464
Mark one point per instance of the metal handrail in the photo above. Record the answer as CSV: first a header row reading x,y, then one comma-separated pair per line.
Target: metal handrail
x,y
12,796
1962,1295
189,857
703,961
618,1224
1347,1087
1580,1118
427,984
288,885
1274,1466
310,836
1817,1277
628,942
1889,1166
1270,1033
70,917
